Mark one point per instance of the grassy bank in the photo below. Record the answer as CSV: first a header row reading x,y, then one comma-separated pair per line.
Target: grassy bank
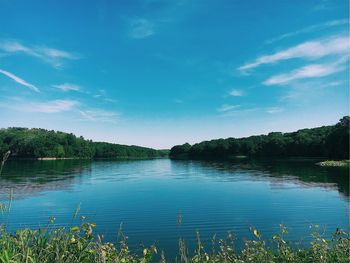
x,y
78,244
330,163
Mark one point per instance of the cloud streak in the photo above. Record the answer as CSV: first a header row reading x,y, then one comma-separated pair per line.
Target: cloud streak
x,y
50,106
99,115
67,87
273,110
53,106
236,93
69,106
308,50
19,80
52,56
307,90
309,29
141,28
226,108
306,72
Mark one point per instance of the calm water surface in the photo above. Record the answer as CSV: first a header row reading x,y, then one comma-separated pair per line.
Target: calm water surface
x,y
147,197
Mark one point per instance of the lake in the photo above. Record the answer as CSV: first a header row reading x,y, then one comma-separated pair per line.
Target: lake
x,y
149,196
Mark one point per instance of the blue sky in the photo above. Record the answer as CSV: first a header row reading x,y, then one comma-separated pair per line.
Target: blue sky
x,y
159,72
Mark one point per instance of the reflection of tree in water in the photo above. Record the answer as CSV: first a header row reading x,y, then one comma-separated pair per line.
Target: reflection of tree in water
x,y
309,174
33,177
302,172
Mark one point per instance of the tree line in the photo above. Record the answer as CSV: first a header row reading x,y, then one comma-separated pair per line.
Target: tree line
x,y
327,141
41,143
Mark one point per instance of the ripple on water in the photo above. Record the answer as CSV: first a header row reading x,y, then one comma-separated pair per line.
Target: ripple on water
x,y
148,196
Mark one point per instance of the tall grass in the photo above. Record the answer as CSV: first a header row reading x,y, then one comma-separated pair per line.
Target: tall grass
x,y
80,244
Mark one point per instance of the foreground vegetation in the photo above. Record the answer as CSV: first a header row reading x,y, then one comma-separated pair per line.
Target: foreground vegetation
x,y
78,244
40,143
325,142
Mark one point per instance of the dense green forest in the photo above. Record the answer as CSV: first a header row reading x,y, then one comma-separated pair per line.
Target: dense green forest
x,y
39,143
327,141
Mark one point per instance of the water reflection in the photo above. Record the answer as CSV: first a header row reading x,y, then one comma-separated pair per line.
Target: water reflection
x,y
302,172
26,178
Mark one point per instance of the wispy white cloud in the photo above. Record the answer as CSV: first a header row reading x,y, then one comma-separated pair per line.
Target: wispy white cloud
x,y
239,111
236,93
99,115
308,50
324,5
227,107
72,107
309,29
247,110
12,46
334,83
102,95
56,53
306,72
273,110
19,80
141,28
50,106
67,87
53,106
52,56
305,91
